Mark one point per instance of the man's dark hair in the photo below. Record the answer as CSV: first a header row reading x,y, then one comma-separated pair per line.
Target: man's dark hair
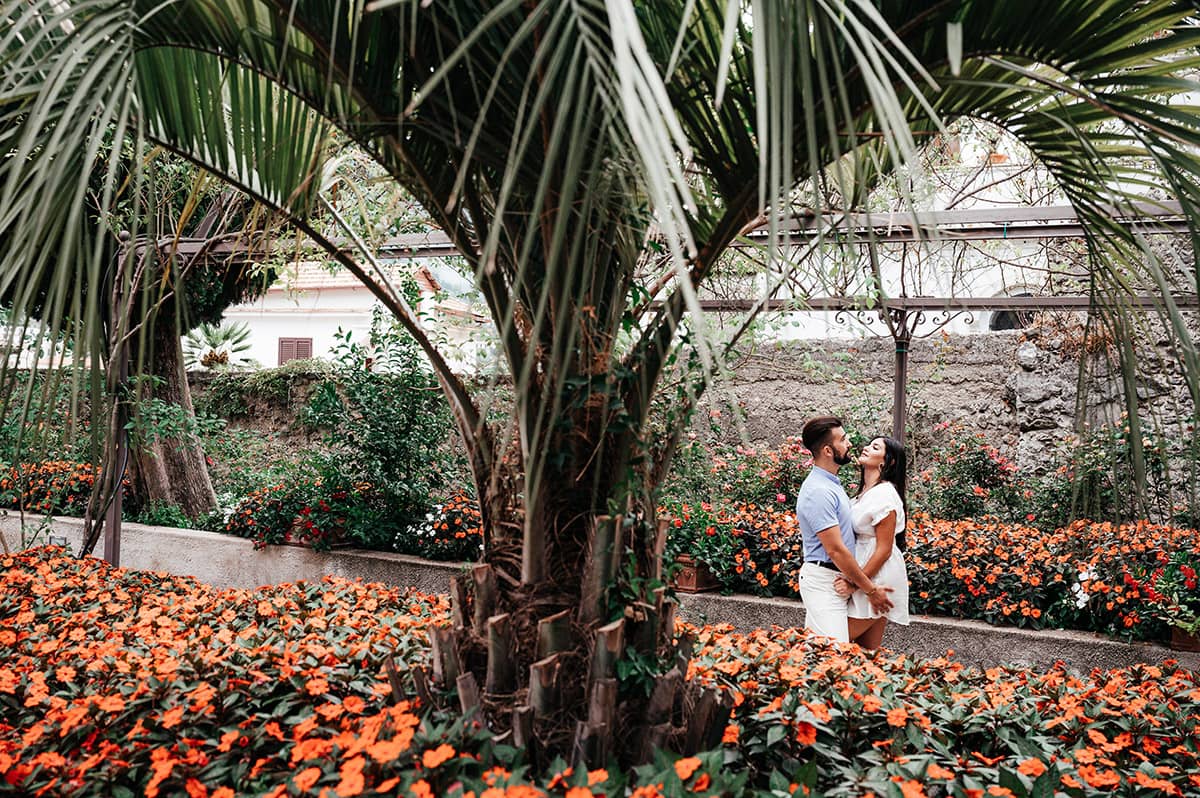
x,y
815,433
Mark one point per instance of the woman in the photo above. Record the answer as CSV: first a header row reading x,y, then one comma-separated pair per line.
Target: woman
x,y
879,518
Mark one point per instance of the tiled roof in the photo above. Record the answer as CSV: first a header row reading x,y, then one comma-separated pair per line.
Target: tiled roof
x,y
313,275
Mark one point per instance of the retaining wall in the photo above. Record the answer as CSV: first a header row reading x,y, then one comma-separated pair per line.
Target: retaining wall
x,y
226,561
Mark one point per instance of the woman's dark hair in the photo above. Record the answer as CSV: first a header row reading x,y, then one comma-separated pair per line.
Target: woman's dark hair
x,y
894,469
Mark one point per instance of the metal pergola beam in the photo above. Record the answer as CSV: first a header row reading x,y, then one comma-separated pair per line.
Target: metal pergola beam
x,y
1048,222
933,303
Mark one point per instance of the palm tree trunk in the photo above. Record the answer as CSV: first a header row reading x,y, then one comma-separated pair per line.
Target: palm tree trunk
x,y
173,469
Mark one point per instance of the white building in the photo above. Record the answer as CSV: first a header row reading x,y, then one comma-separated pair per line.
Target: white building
x,y
300,313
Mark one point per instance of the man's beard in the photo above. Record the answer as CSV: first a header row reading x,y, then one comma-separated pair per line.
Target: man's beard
x,y
842,459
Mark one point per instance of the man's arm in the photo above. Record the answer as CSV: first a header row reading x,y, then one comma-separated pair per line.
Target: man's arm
x,y
843,558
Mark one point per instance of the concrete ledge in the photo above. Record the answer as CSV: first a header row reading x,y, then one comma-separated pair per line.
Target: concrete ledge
x,y
227,561
973,642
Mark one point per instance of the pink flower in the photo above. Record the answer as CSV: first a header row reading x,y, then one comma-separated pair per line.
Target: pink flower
x,y
779,497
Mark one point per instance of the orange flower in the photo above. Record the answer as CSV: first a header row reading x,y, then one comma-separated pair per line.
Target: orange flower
x,y
111,703
1032,768
897,717
702,783
317,687
434,758
172,717
579,792
352,782
911,788
731,734
806,733
936,771
306,778
388,750
421,789
684,768
597,776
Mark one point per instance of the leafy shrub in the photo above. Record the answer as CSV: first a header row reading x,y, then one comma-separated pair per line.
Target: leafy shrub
x,y
52,428
1094,478
158,513
386,423
969,478
315,513
242,461
704,472
452,530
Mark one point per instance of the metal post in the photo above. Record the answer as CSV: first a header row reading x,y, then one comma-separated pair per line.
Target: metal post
x,y
120,362
112,518
903,337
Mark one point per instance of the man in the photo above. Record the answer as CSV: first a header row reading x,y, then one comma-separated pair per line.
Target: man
x,y
823,510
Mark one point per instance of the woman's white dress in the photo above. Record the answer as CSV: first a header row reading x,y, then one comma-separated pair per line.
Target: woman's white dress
x,y
867,511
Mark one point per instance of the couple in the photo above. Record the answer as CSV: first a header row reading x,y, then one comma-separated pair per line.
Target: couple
x,y
853,579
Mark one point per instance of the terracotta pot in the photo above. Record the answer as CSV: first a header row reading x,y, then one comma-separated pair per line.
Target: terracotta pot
x,y
1182,641
693,576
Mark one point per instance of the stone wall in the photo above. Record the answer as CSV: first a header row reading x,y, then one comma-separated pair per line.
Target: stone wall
x,y
1018,388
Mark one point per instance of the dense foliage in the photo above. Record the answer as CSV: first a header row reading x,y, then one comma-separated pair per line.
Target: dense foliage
x,y
125,683
385,423
51,487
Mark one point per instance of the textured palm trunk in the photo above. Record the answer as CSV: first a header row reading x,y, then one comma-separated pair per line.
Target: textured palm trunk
x,y
537,660
172,469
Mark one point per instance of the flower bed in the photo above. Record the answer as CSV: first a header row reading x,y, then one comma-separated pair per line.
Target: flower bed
x,y
55,486
1086,576
309,512
126,683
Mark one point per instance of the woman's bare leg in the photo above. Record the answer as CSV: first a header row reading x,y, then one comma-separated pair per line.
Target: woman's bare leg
x,y
860,627
870,637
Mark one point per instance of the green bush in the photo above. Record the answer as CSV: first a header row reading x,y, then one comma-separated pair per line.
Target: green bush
x,y
386,423
158,513
969,478
315,513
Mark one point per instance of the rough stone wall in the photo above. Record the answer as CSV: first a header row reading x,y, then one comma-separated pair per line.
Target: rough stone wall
x,y
1018,388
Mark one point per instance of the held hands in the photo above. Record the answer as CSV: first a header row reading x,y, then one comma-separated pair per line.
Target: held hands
x,y
879,599
877,595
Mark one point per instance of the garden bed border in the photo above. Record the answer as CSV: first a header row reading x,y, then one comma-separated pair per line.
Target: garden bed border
x,y
225,561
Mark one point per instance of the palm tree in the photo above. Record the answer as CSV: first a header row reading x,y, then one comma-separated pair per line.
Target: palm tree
x,y
592,161
218,346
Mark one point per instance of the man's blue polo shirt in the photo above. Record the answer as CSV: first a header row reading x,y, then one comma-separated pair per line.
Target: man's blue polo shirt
x,y
822,503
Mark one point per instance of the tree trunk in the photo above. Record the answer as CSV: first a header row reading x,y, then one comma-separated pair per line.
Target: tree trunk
x,y
546,651
173,469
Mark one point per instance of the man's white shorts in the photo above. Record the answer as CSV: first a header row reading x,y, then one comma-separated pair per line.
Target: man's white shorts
x,y
825,612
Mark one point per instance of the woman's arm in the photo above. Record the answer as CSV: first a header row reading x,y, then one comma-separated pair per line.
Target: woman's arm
x,y
885,538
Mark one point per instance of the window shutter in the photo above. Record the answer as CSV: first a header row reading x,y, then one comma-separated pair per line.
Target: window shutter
x,y
294,348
